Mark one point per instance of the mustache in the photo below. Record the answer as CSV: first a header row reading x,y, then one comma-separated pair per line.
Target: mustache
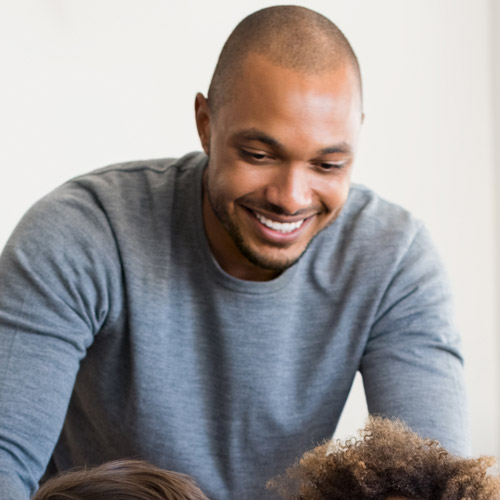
x,y
271,208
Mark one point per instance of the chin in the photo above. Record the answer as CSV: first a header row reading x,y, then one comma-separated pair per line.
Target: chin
x,y
272,264
278,259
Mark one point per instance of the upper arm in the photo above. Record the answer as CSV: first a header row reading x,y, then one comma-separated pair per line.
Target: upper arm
x,y
412,365
56,276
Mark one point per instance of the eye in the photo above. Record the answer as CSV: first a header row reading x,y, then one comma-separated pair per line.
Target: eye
x,y
331,166
256,157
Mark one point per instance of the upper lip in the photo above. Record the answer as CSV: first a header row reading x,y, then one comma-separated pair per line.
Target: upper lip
x,y
280,218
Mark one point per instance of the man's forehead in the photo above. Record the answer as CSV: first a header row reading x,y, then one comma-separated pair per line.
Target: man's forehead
x,y
263,62
260,79
266,91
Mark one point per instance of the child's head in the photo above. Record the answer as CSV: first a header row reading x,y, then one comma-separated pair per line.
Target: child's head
x,y
387,462
120,480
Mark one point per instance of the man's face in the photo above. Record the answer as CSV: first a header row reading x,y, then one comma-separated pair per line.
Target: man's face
x,y
280,155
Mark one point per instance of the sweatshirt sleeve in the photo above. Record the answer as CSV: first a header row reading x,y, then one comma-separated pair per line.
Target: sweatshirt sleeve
x,y
55,275
412,367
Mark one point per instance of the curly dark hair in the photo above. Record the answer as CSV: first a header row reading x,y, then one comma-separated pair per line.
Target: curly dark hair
x,y
120,480
387,460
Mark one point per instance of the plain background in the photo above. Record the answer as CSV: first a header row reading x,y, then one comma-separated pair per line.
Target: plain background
x,y
86,83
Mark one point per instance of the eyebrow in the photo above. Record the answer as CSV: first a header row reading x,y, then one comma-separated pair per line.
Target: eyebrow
x,y
342,147
253,134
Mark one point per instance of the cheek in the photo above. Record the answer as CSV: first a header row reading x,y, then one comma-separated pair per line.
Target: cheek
x,y
334,195
235,180
226,186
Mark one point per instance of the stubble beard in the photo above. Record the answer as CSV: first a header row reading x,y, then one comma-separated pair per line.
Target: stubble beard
x,y
254,256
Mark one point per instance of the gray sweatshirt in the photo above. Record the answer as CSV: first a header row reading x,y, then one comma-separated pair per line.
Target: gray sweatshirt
x,y
120,336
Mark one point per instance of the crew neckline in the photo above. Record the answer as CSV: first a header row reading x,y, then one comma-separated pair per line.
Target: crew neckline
x,y
212,266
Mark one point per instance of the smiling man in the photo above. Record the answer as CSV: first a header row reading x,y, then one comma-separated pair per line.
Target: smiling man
x,y
209,314
280,127
281,150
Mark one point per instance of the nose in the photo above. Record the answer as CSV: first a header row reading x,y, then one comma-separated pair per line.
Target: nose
x,y
290,189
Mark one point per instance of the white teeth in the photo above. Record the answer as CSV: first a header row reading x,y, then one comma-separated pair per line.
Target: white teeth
x,y
282,227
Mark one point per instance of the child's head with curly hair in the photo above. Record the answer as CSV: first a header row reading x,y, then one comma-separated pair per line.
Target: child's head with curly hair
x,y
120,480
387,461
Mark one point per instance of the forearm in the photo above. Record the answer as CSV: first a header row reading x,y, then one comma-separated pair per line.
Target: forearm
x,y
424,386
412,365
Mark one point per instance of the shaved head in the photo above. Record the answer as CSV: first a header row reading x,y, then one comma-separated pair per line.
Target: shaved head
x,y
280,127
290,36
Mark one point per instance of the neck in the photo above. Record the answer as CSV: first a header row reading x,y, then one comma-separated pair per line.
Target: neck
x,y
225,251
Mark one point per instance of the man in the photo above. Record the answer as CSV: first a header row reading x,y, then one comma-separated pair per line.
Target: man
x,y
390,462
209,314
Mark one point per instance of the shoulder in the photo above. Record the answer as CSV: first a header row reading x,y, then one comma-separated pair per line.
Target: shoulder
x,y
369,218
139,175
156,165
388,238
364,205
88,207
118,187
371,237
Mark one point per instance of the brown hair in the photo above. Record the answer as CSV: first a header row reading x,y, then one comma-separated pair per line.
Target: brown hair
x,y
120,480
387,459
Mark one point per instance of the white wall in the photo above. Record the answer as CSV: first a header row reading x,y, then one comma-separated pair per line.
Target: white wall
x,y
87,83
495,61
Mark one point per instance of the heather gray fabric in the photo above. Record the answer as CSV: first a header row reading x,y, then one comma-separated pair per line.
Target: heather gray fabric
x,y
111,303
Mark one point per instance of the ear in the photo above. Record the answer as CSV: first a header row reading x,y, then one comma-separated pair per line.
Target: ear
x,y
202,114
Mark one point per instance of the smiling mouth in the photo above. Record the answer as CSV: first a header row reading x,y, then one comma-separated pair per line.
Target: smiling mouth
x,y
281,227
